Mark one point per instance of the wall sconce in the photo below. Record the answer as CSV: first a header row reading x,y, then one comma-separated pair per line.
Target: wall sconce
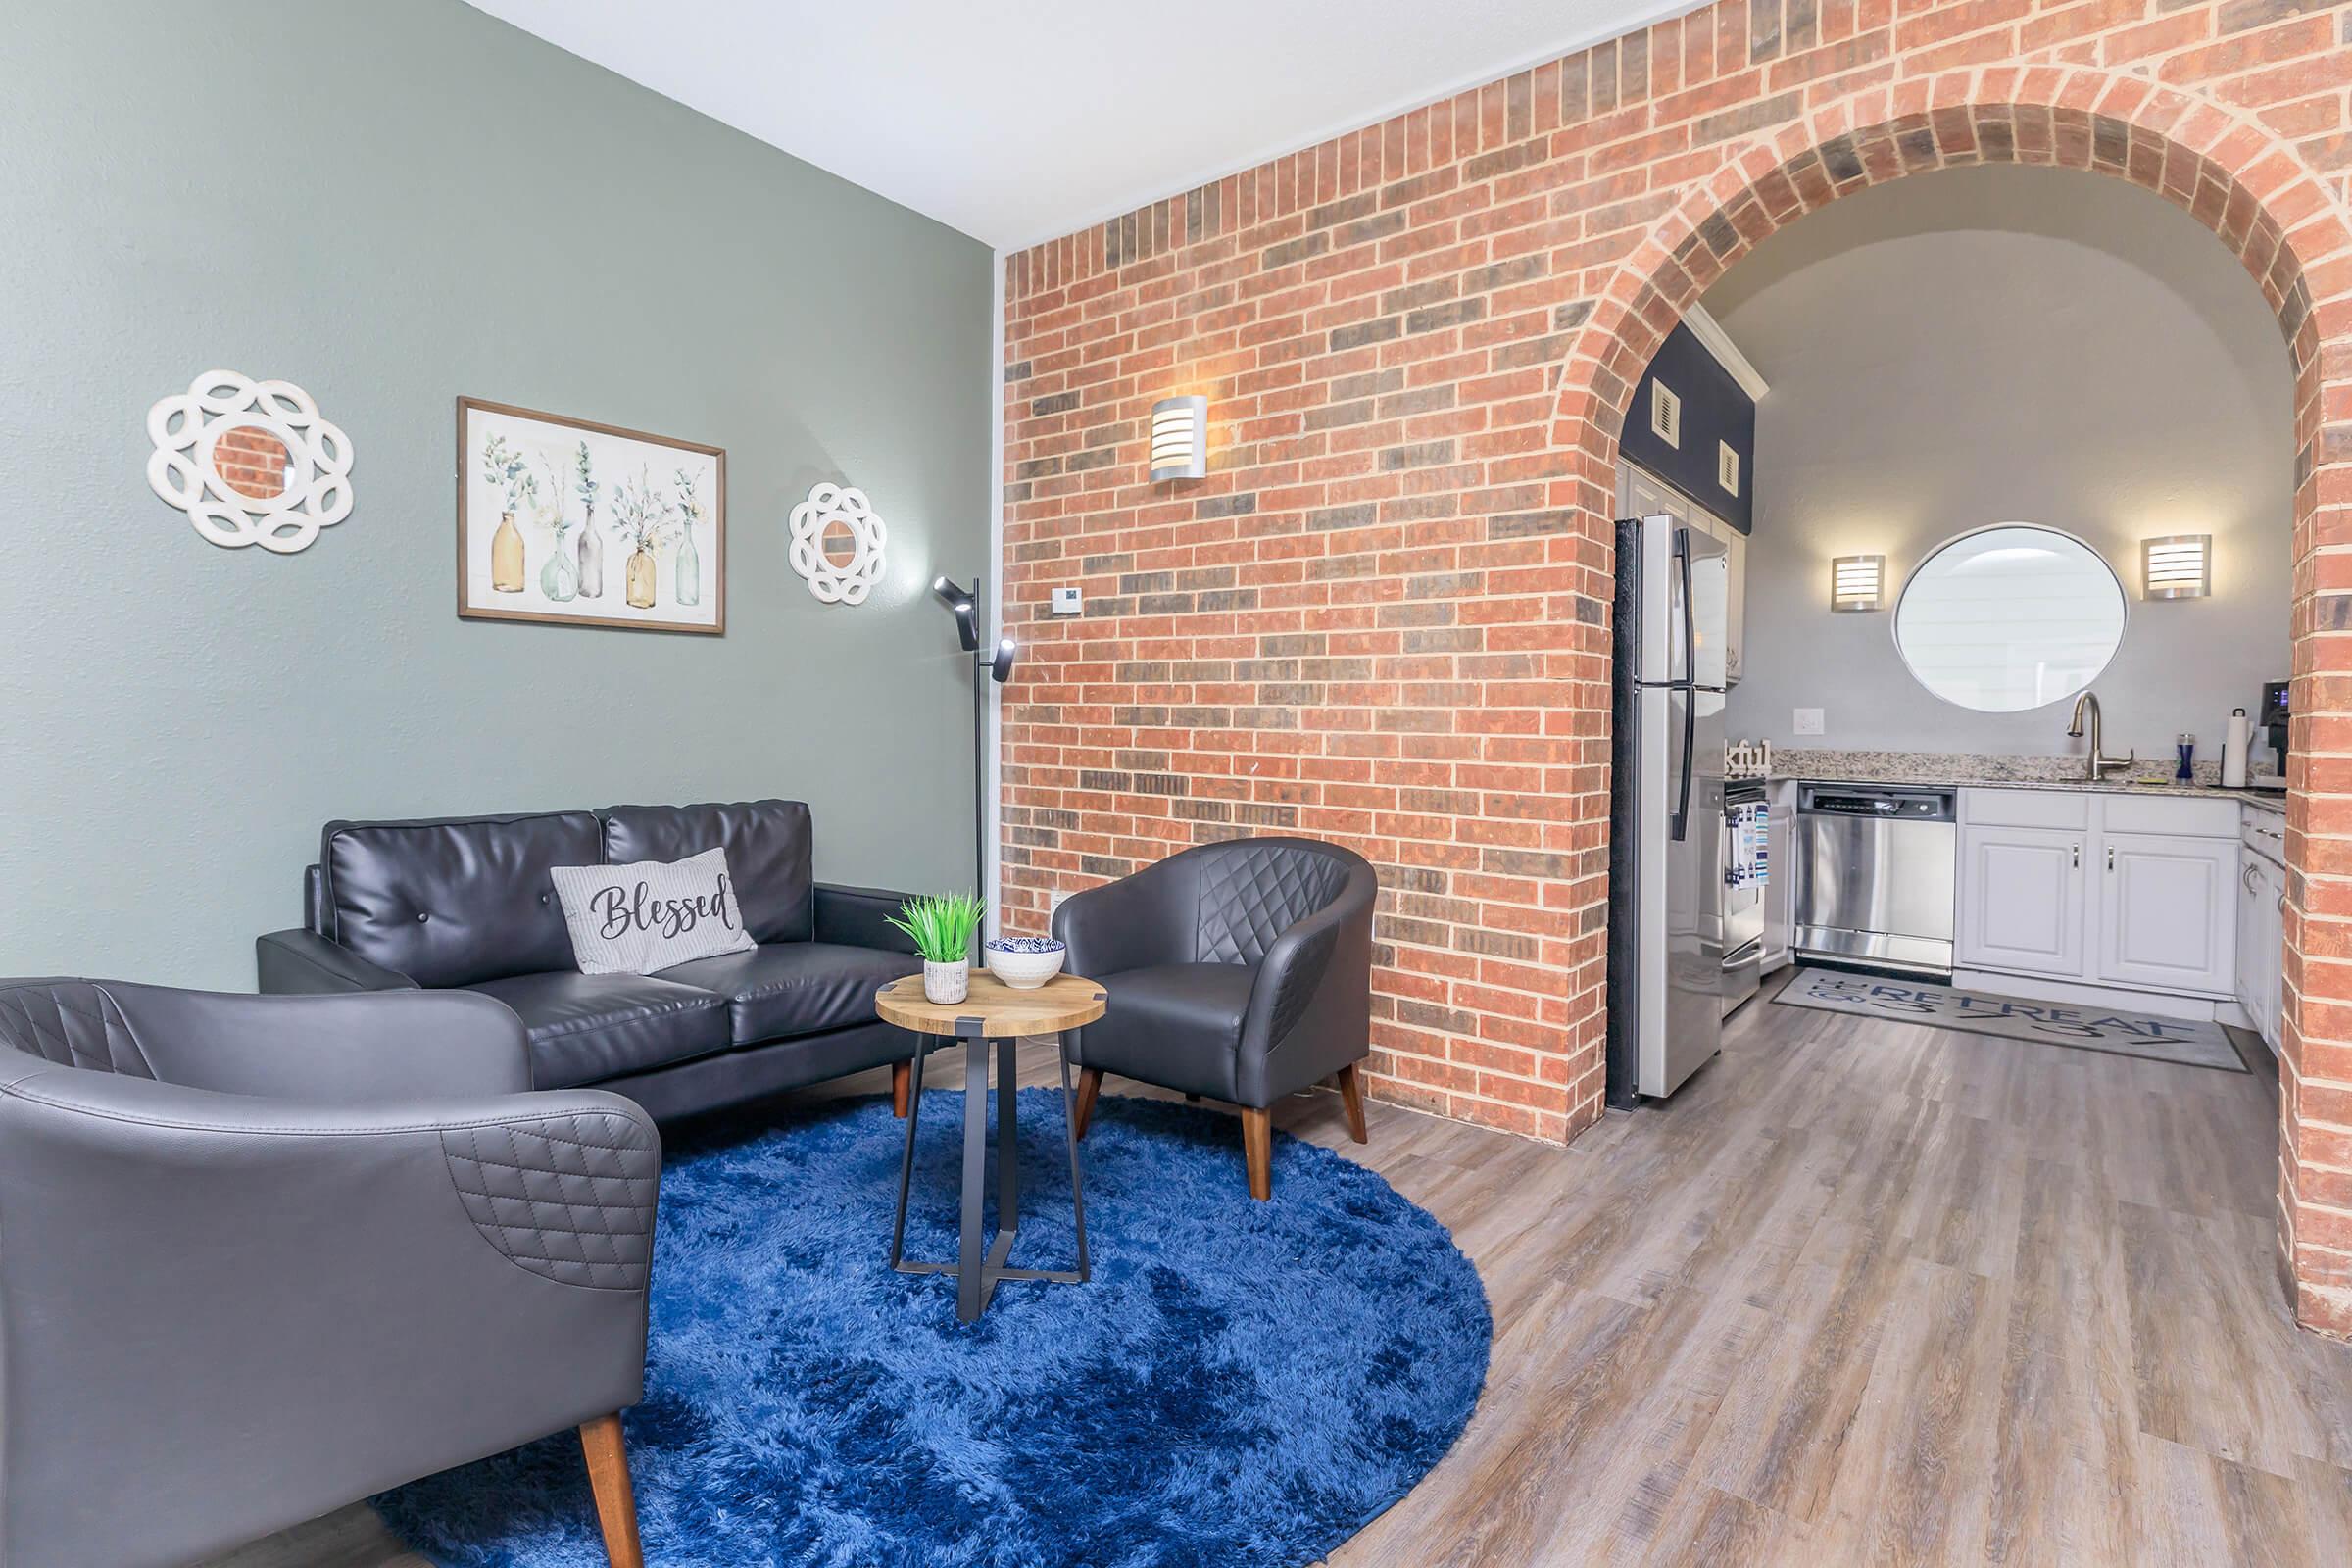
x,y
2177,567
1857,582
1180,439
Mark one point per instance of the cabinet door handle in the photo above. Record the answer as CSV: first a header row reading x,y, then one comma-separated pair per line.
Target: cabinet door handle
x,y
2077,857
2110,856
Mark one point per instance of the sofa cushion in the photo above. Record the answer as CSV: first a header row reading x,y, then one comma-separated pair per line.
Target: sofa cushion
x,y
450,902
1178,1026
768,845
796,987
585,1028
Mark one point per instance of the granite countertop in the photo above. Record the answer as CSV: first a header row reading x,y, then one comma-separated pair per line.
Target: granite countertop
x,y
2006,772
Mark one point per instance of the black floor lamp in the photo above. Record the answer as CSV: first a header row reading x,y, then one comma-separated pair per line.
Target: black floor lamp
x,y
997,662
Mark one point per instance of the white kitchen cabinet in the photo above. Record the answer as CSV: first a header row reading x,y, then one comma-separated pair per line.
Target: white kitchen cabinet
x,y
2271,942
2019,903
2261,924
2122,892
2249,936
2261,939
2167,920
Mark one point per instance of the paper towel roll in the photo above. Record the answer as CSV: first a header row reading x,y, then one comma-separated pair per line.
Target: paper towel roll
x,y
2233,750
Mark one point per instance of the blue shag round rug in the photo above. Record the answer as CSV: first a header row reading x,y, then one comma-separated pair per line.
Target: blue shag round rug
x,y
1240,1382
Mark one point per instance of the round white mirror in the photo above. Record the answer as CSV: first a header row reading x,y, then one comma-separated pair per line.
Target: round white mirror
x,y
2010,617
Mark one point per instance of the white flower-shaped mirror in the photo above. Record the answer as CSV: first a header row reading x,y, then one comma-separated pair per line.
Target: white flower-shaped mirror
x,y
837,544
250,463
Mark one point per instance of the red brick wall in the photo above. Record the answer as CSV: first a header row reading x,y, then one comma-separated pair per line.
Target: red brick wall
x,y
1382,619
251,461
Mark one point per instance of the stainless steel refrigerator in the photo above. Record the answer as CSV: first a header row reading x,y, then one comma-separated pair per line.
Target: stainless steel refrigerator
x,y
1666,823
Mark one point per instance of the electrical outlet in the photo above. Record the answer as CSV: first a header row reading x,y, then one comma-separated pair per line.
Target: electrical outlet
x,y
1808,721
1055,898
1068,601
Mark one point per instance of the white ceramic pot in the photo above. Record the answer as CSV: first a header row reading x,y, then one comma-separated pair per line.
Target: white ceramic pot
x,y
947,982
1025,962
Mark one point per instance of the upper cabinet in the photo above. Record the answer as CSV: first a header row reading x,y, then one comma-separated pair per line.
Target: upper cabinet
x,y
1692,423
1644,495
1689,450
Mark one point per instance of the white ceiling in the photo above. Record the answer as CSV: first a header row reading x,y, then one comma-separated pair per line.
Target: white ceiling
x,y
1021,121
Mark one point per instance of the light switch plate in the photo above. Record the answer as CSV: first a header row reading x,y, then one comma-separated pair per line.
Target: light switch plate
x,y
1808,721
1068,601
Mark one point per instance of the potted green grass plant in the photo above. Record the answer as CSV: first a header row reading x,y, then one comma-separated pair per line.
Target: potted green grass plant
x,y
943,928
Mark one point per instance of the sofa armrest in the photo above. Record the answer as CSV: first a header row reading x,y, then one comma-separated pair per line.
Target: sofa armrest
x,y
353,1273
304,962
857,918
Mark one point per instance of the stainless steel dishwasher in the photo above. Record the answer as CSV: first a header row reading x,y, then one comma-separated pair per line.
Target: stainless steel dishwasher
x,y
1874,875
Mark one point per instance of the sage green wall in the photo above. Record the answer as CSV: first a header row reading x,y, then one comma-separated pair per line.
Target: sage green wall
x,y
391,206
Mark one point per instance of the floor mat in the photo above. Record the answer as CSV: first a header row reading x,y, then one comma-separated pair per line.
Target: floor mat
x,y
2183,1042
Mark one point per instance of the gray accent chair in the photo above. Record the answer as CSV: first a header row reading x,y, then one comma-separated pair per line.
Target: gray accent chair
x,y
1238,971
262,1257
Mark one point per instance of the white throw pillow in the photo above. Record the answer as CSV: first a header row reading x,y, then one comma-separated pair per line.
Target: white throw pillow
x,y
635,919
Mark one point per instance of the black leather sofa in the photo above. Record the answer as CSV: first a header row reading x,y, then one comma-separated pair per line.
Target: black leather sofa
x,y
466,904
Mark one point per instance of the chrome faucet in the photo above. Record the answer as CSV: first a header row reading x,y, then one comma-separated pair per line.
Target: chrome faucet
x,y
2098,763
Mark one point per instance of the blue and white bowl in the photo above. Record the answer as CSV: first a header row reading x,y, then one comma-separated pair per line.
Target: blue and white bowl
x,y
1025,962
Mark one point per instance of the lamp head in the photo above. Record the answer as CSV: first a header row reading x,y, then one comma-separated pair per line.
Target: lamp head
x,y
967,609
1000,668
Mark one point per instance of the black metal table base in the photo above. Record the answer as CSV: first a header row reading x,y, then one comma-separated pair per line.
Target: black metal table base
x,y
978,1270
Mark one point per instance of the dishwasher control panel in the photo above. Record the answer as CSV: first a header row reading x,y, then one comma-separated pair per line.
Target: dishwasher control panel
x,y
1879,801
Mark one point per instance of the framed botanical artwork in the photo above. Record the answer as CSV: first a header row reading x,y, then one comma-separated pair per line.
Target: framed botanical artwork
x,y
581,525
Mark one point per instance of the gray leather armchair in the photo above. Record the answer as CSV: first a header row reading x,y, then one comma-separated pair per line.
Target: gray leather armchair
x,y
1241,971
262,1256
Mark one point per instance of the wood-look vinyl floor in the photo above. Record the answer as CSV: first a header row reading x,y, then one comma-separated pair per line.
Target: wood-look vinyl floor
x,y
1862,1292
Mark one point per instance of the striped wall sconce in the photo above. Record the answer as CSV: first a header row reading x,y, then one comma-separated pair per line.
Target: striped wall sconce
x,y
2177,567
1179,439
1857,582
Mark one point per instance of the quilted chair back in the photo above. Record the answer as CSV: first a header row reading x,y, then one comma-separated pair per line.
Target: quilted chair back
x,y
72,1023
1254,890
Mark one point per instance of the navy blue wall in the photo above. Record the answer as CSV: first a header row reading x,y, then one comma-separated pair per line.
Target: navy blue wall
x,y
1714,408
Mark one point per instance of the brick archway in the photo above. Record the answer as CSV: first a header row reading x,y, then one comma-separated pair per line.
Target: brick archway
x,y
2290,230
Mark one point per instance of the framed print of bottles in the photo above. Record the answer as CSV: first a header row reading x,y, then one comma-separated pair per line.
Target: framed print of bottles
x,y
576,523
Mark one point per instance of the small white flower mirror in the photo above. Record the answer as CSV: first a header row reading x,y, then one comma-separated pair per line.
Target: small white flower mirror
x,y
250,463
837,544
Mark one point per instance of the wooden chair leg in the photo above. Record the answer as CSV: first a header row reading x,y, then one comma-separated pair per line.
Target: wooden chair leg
x,y
1352,1095
1089,1084
1258,1148
902,1081
609,1479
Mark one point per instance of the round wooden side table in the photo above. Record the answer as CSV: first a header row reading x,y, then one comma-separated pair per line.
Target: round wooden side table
x,y
993,1011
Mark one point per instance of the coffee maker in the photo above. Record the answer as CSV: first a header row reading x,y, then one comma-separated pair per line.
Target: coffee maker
x,y
2270,721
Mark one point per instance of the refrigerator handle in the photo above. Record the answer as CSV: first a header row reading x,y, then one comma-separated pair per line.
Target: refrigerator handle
x,y
1682,802
1682,565
1688,686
